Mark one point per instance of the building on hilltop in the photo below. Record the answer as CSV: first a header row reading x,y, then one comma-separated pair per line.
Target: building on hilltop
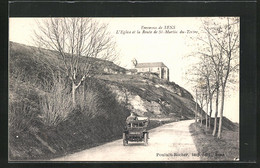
x,y
154,67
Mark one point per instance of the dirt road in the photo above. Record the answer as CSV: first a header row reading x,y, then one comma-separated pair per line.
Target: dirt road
x,y
170,142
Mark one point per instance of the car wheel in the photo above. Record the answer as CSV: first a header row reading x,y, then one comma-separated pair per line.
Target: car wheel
x,y
145,139
124,140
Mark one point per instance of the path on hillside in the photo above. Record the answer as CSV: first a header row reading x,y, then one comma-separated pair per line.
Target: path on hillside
x,y
170,142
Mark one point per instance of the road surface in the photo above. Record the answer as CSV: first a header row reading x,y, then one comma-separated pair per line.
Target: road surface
x,y
170,142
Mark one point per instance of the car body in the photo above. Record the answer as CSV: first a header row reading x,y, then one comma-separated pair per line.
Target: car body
x,y
136,131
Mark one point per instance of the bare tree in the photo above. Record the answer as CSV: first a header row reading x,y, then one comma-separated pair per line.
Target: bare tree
x,y
202,77
209,70
209,89
77,41
208,75
213,87
230,45
204,81
222,47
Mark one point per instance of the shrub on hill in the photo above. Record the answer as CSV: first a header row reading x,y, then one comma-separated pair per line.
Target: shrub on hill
x,y
56,105
42,122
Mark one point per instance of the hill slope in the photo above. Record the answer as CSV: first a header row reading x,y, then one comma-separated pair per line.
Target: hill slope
x,y
42,124
151,97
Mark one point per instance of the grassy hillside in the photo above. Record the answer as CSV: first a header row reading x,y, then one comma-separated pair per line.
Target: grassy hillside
x,y
42,122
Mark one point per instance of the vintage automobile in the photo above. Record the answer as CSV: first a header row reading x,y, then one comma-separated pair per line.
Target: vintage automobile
x,y
136,131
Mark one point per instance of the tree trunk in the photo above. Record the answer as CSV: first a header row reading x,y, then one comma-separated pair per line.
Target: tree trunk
x,y
201,117
73,90
196,109
216,113
207,109
221,113
210,112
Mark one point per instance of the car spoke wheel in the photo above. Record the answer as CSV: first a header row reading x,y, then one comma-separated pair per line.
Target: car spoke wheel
x,y
145,139
124,140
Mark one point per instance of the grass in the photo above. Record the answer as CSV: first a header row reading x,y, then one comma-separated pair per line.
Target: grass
x,y
213,149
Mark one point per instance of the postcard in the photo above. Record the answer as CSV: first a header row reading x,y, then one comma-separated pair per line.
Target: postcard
x,y
124,89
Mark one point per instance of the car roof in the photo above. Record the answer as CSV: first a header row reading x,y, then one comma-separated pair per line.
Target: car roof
x,y
137,121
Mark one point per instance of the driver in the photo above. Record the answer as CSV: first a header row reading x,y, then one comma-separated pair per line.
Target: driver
x,y
132,117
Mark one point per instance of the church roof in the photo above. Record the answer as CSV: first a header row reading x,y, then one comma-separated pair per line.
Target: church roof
x,y
150,64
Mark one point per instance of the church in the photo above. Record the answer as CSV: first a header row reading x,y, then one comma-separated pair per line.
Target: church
x,y
154,67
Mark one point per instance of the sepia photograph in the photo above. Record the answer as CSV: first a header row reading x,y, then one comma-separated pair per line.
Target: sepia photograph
x,y
124,89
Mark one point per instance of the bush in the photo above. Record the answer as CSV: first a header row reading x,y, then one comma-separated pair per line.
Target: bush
x,y
89,103
56,105
21,115
23,104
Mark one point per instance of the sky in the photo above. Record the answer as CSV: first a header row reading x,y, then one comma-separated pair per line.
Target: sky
x,y
157,39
